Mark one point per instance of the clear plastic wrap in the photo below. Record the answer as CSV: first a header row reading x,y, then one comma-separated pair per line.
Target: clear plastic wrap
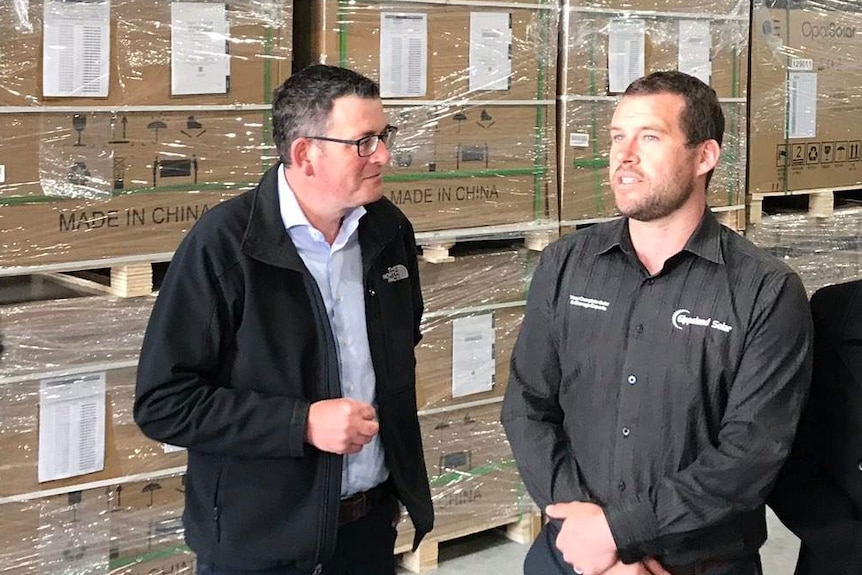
x,y
473,476
471,86
124,529
671,33
489,285
67,340
805,103
823,251
475,484
129,173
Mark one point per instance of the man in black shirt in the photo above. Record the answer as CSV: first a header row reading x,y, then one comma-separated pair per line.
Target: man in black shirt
x,y
662,365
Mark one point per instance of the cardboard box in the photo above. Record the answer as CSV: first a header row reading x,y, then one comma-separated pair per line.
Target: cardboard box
x,y
132,528
54,232
68,338
586,43
436,383
351,34
466,156
489,285
98,155
471,165
477,278
140,50
805,137
475,483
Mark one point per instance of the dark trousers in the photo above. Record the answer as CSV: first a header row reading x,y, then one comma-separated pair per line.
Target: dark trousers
x,y
364,547
544,558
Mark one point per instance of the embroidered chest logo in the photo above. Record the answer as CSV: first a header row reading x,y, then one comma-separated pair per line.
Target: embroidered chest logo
x,y
395,273
682,318
589,303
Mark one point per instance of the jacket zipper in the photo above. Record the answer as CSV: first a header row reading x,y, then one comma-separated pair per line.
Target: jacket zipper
x,y
329,346
216,509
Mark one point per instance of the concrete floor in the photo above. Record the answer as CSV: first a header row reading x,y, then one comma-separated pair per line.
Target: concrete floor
x,y
490,554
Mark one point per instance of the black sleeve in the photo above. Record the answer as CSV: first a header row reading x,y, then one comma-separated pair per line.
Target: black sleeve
x,y
531,415
178,399
807,498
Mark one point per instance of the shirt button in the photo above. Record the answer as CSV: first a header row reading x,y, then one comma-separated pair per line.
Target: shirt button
x,y
626,431
632,379
640,328
859,465
649,281
372,293
621,485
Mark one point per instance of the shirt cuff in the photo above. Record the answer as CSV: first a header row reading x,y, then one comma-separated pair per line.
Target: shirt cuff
x,y
632,525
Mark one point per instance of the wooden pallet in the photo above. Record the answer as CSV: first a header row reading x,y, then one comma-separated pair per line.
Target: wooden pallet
x,y
522,529
128,280
126,277
437,246
821,201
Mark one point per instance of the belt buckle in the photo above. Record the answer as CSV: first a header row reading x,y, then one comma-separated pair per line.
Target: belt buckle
x,y
353,508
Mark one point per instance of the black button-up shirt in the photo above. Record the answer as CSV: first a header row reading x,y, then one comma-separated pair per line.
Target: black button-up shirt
x,y
670,400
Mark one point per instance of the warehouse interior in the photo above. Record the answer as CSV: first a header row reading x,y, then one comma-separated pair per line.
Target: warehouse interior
x,y
503,110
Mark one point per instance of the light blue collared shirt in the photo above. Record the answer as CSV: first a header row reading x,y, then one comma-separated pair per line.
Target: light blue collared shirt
x,y
337,269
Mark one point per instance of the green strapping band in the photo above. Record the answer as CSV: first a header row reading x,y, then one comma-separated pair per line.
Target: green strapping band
x,y
149,556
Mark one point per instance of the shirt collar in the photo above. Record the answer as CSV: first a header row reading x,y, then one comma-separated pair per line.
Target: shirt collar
x,y
705,242
293,216
706,239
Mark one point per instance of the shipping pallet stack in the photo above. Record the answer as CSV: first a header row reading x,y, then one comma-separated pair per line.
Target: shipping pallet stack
x,y
805,140
108,166
471,87
83,489
108,155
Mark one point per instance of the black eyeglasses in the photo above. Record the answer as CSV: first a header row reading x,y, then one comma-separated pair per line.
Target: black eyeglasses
x,y
366,145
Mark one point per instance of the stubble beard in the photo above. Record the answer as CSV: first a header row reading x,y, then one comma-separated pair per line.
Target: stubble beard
x,y
659,202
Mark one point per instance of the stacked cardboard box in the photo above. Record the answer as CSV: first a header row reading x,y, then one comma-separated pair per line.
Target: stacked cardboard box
x,y
470,85
487,285
474,480
124,529
129,173
806,69
601,47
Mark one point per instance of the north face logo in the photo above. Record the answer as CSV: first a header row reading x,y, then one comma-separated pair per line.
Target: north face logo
x,y
396,273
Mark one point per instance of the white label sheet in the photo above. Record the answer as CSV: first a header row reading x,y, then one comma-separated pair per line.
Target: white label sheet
x,y
626,41
200,63
695,43
472,354
76,49
403,54
71,425
802,102
490,51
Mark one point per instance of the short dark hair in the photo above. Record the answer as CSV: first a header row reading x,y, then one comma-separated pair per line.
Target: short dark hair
x,y
702,119
302,104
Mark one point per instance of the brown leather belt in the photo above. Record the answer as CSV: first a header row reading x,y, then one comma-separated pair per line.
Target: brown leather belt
x,y
699,568
360,504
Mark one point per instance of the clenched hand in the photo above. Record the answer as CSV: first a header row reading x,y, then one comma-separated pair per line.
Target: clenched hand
x,y
341,426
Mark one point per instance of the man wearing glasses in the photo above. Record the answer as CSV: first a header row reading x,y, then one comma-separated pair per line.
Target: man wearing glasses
x,y
280,351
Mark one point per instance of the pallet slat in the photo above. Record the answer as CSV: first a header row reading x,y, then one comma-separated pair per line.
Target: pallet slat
x,y
522,529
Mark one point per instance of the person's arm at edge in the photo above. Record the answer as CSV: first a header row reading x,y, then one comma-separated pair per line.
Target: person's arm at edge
x,y
805,498
531,413
177,400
